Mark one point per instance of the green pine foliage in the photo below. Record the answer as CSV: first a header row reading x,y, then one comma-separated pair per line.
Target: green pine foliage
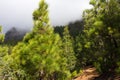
x,y
101,27
1,35
68,49
81,48
40,55
5,70
44,55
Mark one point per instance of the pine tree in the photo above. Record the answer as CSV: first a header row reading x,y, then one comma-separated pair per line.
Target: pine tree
x,y
2,51
5,71
40,53
68,49
1,35
102,28
81,47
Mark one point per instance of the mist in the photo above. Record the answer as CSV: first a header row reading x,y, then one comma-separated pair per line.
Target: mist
x,y
18,13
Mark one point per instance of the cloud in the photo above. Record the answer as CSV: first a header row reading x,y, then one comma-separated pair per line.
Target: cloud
x,y
18,13
64,11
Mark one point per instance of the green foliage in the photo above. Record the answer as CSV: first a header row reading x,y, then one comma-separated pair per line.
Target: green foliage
x,y
44,55
74,28
6,72
92,2
1,35
82,48
68,49
101,26
40,55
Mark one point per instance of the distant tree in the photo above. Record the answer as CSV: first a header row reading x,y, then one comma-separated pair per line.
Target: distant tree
x,y
59,30
68,49
74,28
40,55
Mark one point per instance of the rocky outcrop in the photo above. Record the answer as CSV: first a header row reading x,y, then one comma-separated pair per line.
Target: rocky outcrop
x,y
14,35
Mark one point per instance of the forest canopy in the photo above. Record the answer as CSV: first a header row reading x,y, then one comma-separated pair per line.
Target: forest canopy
x,y
61,53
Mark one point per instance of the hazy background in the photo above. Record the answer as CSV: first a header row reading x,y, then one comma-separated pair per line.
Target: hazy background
x,y
18,13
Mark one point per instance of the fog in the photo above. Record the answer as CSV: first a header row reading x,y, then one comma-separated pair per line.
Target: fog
x,y
18,13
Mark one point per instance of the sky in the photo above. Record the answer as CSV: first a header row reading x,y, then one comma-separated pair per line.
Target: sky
x,y
18,13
